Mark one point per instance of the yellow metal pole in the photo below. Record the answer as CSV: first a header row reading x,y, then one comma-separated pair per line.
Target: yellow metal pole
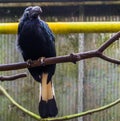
x,y
69,27
8,28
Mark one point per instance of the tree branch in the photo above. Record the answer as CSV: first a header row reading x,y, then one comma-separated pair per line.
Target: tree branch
x,y
89,112
67,117
13,77
112,60
73,57
60,59
109,42
47,61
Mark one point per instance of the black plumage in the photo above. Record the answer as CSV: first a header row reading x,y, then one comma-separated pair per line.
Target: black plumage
x,y
36,40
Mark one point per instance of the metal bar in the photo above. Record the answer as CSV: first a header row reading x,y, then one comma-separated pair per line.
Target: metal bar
x,y
24,4
69,27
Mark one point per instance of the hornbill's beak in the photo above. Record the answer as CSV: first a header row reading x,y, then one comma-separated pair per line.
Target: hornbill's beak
x,y
35,12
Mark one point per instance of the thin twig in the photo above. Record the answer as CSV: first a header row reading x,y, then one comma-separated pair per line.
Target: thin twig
x,y
13,77
109,59
19,106
67,117
109,42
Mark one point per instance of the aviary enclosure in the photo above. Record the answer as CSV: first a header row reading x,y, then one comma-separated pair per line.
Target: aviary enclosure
x,y
87,85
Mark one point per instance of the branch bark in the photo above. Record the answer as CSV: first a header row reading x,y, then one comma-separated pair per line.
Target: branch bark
x,y
13,77
73,57
67,58
109,42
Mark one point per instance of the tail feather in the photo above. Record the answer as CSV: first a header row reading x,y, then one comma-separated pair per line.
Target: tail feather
x,y
52,108
43,109
47,104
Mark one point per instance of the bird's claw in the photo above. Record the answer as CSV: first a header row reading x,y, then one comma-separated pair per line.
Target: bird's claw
x,y
29,62
41,60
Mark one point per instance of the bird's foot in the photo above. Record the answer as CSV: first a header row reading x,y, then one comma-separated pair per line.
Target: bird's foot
x,y
41,60
29,62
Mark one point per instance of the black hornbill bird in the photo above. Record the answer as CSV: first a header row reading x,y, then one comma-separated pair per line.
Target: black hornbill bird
x,y
35,40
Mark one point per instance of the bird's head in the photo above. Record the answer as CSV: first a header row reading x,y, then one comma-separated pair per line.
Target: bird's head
x,y
32,12
35,12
